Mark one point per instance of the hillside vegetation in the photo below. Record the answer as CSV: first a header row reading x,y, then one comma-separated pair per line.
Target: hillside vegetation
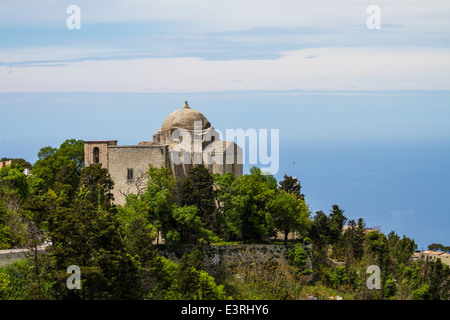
x,y
71,208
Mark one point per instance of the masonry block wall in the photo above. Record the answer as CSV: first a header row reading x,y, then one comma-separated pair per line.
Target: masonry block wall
x,y
128,166
217,258
99,146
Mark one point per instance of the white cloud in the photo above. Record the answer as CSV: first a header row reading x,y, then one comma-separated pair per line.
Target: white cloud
x,y
53,54
331,69
232,14
401,213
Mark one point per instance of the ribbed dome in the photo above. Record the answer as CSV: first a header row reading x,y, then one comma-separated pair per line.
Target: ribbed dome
x,y
185,118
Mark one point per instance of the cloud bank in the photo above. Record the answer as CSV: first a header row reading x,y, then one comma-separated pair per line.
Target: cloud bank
x,y
202,46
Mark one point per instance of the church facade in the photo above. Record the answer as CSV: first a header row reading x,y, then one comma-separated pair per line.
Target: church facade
x,y
185,139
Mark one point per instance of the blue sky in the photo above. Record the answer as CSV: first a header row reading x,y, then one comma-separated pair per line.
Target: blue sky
x,y
363,114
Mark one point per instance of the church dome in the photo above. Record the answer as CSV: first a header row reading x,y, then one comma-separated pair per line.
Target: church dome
x,y
185,118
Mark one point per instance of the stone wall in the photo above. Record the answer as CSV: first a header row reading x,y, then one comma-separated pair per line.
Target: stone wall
x,y
9,256
226,157
102,146
136,158
218,258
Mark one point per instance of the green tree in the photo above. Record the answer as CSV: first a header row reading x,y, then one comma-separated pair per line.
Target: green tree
x,y
376,253
13,186
74,150
422,293
158,200
158,278
191,282
42,208
436,277
291,185
223,194
390,288
5,235
137,231
289,213
13,193
328,229
198,190
88,236
351,244
320,230
341,276
298,257
250,215
60,165
336,223
399,252
4,282
20,283
438,247
97,181
190,227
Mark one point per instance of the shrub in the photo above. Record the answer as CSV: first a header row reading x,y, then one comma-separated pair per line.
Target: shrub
x,y
422,293
297,256
390,288
343,276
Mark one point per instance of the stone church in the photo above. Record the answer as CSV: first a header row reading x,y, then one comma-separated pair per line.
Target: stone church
x,y
185,139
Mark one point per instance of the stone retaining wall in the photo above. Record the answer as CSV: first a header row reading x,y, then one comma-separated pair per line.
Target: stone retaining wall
x,y
9,256
218,257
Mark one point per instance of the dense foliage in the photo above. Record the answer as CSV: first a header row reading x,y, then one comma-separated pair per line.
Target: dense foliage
x,y
70,208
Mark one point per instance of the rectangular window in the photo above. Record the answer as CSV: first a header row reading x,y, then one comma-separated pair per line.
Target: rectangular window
x,y
130,175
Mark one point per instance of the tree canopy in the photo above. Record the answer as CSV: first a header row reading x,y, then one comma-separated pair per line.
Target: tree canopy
x,y
70,208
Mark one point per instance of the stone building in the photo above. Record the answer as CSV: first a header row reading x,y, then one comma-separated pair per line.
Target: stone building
x,y
185,139
431,255
5,164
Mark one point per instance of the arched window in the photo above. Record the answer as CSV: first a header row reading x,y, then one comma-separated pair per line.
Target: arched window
x,y
96,153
